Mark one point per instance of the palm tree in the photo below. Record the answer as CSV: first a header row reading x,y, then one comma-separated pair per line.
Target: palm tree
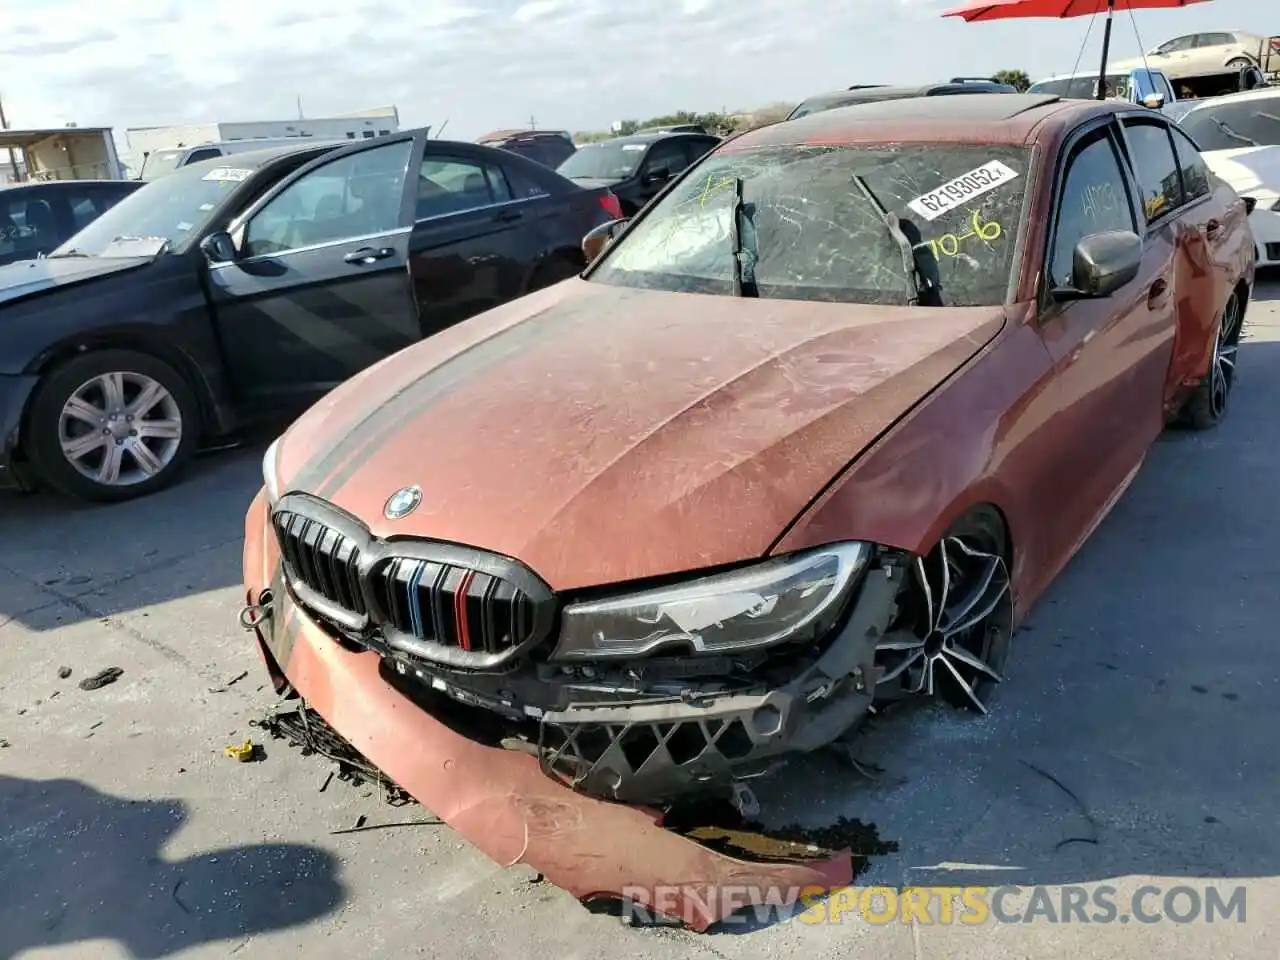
x,y
1017,79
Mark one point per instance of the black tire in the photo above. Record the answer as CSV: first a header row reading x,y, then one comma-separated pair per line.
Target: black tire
x,y
1239,63
136,475
553,270
1208,405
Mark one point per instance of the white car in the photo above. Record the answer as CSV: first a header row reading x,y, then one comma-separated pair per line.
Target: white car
x,y
1239,136
1203,54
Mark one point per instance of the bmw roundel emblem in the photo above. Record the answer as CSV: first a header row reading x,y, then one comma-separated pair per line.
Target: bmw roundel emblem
x,y
402,503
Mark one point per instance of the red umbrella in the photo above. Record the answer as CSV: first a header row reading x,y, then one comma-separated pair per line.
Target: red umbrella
x,y
1060,10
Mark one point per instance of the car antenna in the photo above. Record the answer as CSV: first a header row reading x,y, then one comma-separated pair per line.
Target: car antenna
x,y
441,128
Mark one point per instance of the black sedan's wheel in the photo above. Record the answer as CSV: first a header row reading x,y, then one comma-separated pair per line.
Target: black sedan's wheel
x,y
962,617
112,425
1208,405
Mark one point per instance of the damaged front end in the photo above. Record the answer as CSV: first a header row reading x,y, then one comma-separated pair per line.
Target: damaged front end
x,y
654,696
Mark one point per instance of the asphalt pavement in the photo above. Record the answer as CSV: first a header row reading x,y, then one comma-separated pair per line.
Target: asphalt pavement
x,y
1133,745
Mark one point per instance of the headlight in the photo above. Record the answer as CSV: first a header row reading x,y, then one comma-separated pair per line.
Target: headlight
x,y
269,478
788,598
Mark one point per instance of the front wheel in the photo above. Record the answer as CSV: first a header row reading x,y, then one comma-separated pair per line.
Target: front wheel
x,y
1208,405
112,425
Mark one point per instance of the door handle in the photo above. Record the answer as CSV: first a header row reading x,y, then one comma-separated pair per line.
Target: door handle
x,y
1212,229
369,255
508,216
1158,290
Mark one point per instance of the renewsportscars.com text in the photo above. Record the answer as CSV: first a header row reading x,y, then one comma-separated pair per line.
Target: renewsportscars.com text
x,y
943,905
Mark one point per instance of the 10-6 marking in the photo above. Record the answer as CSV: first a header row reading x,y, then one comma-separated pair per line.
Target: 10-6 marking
x,y
948,245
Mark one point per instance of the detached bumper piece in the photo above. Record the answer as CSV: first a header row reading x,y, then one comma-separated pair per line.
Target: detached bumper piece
x,y
502,802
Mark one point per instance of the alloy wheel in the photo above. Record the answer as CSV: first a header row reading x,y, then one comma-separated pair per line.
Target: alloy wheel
x,y
960,641
120,428
1223,372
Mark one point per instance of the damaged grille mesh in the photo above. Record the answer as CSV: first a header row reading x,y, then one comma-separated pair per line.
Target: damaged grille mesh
x,y
612,754
322,558
453,605
301,726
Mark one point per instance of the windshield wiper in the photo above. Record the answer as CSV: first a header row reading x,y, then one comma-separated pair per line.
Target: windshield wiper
x,y
910,267
744,281
1240,137
68,253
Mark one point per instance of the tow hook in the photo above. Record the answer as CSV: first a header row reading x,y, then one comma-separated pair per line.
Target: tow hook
x,y
254,614
744,801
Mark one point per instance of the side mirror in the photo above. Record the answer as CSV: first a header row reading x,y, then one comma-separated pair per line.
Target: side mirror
x,y
1102,264
1250,204
218,247
1153,101
594,243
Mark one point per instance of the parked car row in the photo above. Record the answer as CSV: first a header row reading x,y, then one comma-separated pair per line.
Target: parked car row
x,y
250,285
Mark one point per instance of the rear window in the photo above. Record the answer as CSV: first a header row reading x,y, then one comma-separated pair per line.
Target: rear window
x,y
811,234
1119,85
1227,126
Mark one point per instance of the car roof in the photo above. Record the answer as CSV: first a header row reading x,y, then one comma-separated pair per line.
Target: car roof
x,y
499,135
1093,74
31,184
650,137
253,159
1013,118
873,92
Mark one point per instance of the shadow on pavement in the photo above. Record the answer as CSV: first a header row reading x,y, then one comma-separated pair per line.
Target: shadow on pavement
x,y
57,549
79,865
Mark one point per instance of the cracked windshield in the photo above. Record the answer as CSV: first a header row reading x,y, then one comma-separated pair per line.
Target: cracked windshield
x,y
807,231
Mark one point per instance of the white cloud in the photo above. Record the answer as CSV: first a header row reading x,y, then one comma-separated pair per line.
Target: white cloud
x,y
537,10
483,64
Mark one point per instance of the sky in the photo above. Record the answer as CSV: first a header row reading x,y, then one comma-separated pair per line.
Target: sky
x,y
486,64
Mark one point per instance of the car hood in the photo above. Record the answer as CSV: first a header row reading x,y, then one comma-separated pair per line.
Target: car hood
x,y
29,277
1251,171
602,434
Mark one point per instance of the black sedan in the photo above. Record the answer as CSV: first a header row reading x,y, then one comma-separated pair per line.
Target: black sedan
x,y
636,168
35,218
248,286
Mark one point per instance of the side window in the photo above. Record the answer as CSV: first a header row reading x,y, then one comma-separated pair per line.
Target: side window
x,y
207,153
1094,199
697,148
523,184
1154,167
666,155
1162,85
453,185
14,236
85,209
354,196
38,225
498,185
1195,173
